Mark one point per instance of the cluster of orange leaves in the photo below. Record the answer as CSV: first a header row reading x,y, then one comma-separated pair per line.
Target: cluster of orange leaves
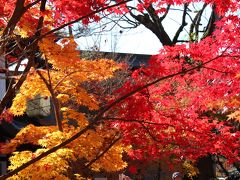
x,y
66,77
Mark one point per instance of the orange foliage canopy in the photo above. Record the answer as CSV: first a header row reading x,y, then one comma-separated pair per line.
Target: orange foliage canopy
x,y
184,105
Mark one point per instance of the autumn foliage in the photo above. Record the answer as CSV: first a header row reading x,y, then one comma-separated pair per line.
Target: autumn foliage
x,y
63,82
183,105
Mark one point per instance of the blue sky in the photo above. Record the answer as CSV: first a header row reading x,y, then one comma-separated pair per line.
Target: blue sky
x,y
139,40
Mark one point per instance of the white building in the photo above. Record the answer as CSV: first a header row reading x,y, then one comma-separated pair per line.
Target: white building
x,y
2,79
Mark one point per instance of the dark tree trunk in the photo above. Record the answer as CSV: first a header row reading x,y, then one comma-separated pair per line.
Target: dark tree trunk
x,y
207,170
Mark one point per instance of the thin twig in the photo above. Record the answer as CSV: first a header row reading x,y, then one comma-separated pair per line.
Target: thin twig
x,y
54,100
83,17
105,151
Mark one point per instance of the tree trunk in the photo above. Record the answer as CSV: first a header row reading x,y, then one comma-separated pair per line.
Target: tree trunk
x,y
207,169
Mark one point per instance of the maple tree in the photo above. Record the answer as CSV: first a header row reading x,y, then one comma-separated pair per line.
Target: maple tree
x,y
171,108
152,15
27,33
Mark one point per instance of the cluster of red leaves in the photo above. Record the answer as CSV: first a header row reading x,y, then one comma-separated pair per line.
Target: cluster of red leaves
x,y
61,11
6,116
179,116
68,10
6,9
222,6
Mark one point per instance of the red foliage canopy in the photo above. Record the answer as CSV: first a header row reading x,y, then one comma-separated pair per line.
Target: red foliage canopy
x,y
184,96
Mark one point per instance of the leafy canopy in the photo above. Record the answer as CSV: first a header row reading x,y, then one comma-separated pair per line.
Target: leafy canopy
x,y
183,105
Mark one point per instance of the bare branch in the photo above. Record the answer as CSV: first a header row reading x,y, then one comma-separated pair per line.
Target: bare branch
x,y
149,133
153,23
166,13
83,17
54,99
195,24
180,29
224,72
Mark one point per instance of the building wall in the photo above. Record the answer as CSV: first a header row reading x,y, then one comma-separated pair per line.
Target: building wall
x,y
3,163
2,80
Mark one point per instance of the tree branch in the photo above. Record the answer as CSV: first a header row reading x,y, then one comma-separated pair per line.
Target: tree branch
x,y
54,99
98,117
224,72
115,140
83,17
165,14
195,24
149,133
30,48
180,29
